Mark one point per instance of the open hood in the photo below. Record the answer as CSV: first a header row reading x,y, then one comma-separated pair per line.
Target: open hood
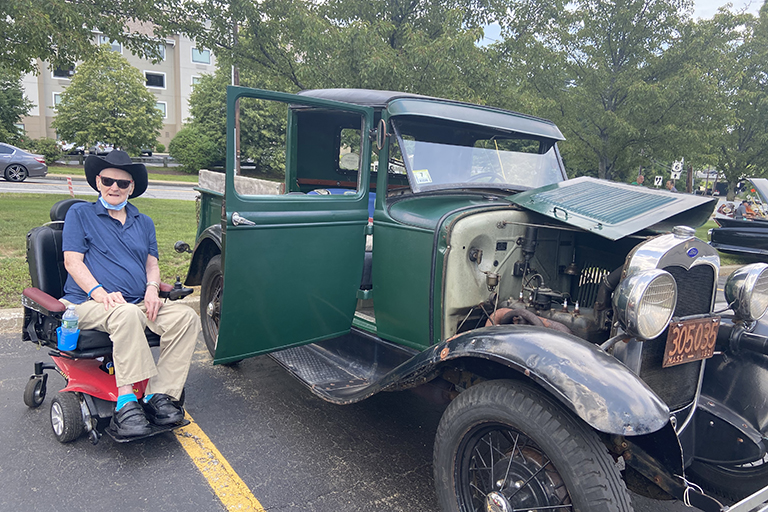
x,y
615,210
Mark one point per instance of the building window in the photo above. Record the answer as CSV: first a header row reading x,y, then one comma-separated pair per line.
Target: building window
x,y
56,99
162,107
201,56
195,80
114,45
64,72
161,50
19,127
155,79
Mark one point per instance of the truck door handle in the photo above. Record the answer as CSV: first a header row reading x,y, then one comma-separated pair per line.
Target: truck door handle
x,y
238,220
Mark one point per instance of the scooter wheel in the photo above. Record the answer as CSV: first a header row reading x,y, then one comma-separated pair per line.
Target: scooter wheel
x,y
34,392
66,417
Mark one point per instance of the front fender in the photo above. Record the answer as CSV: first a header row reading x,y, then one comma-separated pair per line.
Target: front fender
x,y
207,246
594,385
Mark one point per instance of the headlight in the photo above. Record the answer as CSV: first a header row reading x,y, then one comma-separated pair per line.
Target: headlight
x,y
746,290
644,303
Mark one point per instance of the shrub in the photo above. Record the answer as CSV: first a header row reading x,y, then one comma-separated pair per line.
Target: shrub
x,y
160,148
46,147
192,149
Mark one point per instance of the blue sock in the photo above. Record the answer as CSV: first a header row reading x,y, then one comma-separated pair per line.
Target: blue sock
x,y
124,399
148,397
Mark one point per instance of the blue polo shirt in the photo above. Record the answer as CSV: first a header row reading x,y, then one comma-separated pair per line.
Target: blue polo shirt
x,y
115,253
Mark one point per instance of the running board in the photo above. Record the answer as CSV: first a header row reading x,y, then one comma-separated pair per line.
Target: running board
x,y
346,369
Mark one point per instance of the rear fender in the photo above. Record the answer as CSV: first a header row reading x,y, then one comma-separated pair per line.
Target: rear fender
x,y
208,245
594,385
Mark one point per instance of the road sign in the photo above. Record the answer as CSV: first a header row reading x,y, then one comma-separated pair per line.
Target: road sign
x,y
658,180
676,175
677,167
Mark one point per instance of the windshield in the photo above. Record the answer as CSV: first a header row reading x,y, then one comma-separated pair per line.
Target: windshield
x,y
442,154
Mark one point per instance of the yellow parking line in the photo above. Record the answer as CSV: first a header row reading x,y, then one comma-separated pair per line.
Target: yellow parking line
x,y
227,485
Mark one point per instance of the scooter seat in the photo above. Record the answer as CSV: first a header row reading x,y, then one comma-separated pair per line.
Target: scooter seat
x,y
92,344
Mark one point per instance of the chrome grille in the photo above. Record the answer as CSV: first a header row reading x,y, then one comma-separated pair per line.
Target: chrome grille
x,y
677,385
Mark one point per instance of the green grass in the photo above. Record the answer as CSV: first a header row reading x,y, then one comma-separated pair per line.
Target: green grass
x,y
155,173
174,220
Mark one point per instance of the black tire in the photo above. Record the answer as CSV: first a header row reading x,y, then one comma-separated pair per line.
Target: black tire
x,y
34,392
16,172
510,433
210,302
66,417
731,481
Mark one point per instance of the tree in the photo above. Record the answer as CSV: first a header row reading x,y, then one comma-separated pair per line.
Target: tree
x,y
13,106
415,46
605,72
261,127
107,101
193,150
61,31
737,132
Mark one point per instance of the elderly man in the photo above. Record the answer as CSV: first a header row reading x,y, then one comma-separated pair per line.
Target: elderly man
x,y
110,253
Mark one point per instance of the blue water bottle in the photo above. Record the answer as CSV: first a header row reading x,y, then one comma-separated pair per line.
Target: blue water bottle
x,y
68,332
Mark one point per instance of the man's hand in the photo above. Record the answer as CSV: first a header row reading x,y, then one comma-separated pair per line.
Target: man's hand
x,y
152,302
108,299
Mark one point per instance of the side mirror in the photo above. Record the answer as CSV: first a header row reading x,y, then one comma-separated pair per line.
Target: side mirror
x,y
381,135
182,247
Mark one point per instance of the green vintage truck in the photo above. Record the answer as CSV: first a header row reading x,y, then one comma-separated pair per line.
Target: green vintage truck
x,y
573,323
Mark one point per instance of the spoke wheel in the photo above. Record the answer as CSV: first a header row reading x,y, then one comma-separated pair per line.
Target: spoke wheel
x,y
507,446
15,172
210,302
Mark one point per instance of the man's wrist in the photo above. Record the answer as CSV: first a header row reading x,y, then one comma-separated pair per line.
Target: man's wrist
x,y
155,284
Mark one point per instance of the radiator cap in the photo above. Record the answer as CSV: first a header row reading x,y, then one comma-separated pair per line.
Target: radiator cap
x,y
683,232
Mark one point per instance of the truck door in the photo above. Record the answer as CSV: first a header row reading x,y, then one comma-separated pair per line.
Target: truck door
x,y
292,250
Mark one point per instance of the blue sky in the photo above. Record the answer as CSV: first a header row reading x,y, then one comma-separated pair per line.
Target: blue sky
x,y
701,9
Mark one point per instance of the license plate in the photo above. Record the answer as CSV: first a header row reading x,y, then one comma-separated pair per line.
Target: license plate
x,y
690,340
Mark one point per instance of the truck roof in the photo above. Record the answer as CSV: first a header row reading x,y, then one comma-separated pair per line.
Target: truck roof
x,y
416,104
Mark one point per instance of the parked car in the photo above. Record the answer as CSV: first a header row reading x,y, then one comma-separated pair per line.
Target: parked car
x,y
100,148
572,323
746,236
69,148
18,164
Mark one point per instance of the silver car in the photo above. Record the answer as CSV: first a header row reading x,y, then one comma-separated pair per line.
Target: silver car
x,y
16,164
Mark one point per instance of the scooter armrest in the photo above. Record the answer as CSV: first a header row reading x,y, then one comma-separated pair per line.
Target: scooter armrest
x,y
172,292
41,302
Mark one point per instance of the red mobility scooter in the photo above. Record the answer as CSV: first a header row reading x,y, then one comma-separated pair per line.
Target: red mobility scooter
x,y
86,402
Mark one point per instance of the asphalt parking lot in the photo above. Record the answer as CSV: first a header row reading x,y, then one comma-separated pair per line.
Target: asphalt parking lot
x,y
290,450
293,451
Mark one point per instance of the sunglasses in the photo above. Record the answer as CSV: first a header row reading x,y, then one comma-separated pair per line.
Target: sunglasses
x,y
108,182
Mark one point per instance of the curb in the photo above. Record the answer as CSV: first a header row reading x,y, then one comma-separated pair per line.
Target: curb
x,y
187,184
12,320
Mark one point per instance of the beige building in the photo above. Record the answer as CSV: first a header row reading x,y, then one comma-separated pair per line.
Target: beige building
x,y
170,80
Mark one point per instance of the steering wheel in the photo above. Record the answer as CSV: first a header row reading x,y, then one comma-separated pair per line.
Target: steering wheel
x,y
481,176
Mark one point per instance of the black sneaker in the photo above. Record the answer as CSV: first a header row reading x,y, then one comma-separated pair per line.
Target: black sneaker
x,y
161,410
130,421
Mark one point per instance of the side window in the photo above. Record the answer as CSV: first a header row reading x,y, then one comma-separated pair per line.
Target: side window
x,y
5,150
260,166
297,150
349,149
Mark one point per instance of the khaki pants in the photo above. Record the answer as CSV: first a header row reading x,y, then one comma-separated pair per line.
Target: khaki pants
x,y
178,326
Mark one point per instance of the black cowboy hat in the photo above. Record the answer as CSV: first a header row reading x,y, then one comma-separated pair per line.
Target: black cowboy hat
x,y
117,159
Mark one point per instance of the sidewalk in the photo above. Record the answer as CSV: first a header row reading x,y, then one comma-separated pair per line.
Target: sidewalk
x,y
188,184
